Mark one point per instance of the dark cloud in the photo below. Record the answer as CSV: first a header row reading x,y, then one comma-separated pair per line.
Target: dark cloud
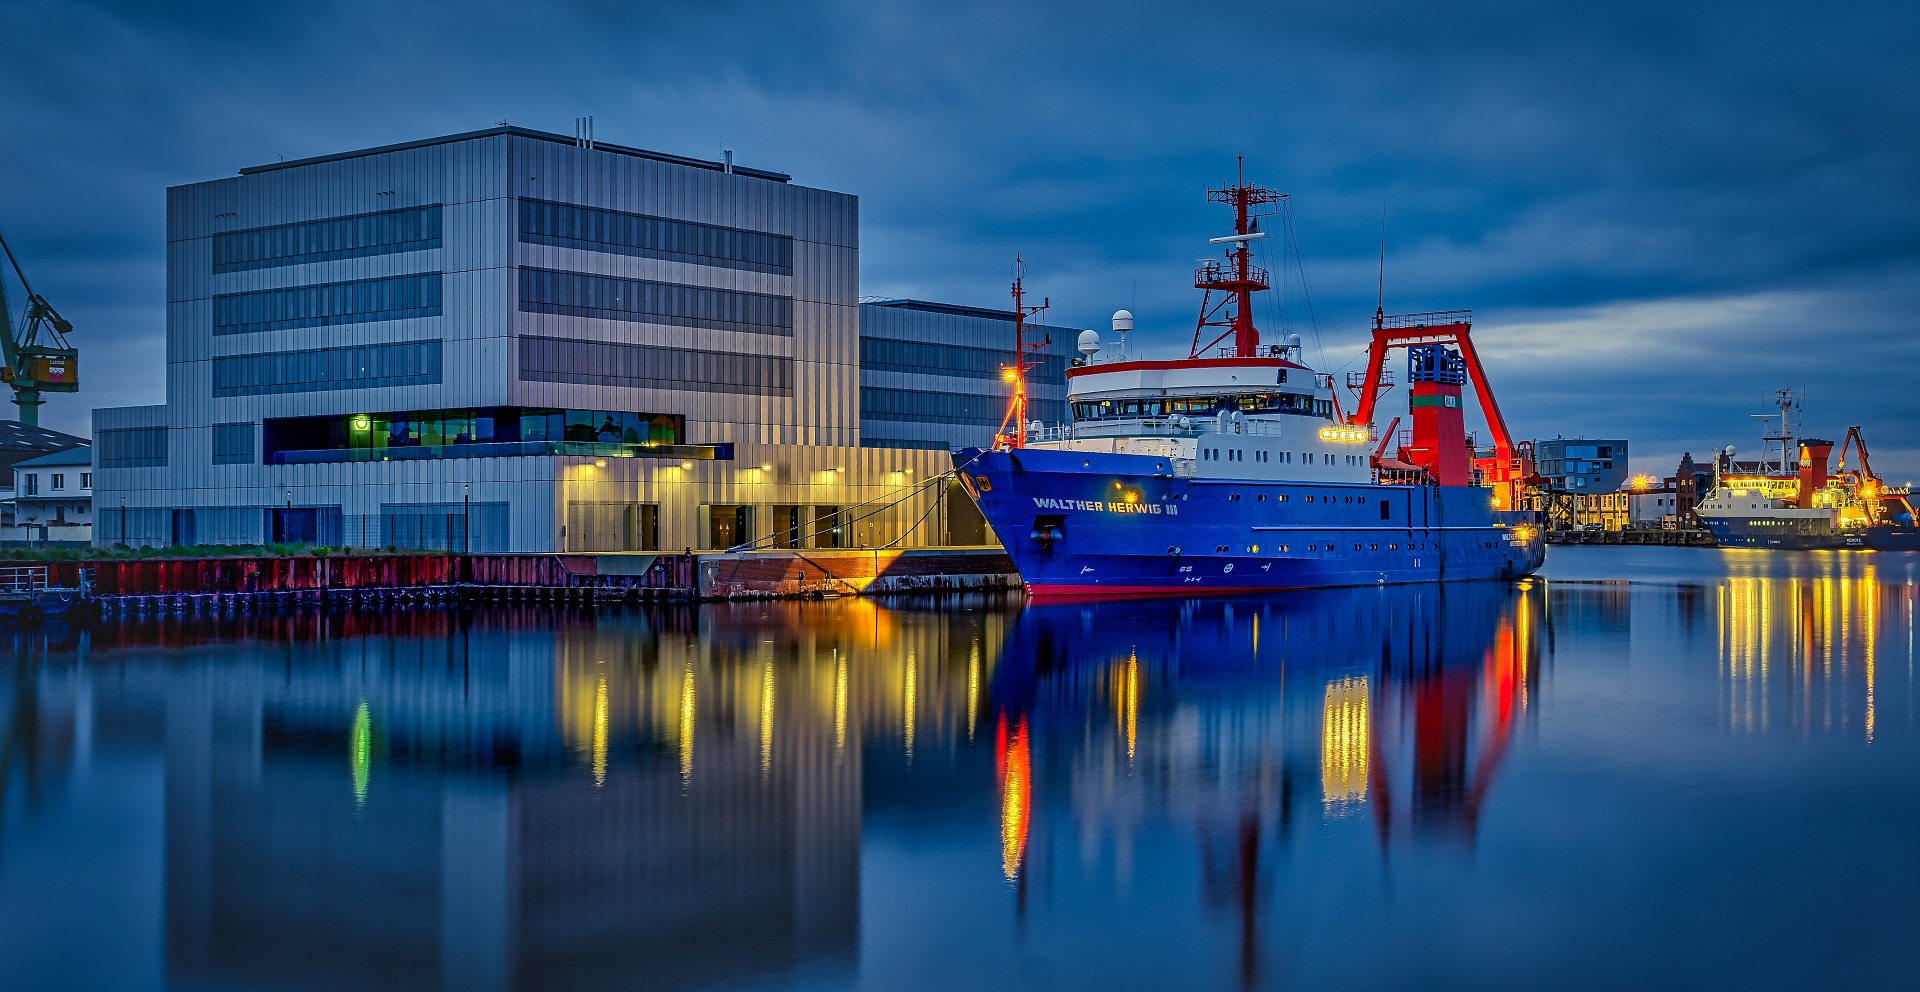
x,y
1722,194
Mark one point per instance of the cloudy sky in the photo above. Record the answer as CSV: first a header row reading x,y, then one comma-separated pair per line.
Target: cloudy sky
x,y
1659,212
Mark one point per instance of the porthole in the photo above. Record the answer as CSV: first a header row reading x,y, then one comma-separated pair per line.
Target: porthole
x,y
1253,549
1309,499
1262,498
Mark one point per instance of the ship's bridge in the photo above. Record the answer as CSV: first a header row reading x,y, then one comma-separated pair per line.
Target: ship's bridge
x,y
1196,387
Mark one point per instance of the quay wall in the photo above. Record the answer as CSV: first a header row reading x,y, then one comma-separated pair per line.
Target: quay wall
x,y
162,583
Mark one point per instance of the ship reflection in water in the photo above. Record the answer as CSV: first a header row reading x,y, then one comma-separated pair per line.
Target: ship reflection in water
x,y
1479,784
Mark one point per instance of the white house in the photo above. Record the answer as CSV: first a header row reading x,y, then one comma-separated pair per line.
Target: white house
x,y
53,499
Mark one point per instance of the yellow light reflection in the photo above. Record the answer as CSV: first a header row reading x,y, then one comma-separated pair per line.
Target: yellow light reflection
x,y
766,719
973,685
600,733
909,701
686,726
1016,798
1126,701
1343,741
839,705
1802,652
360,751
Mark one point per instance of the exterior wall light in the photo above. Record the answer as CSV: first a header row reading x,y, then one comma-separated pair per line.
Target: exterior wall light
x,y
766,468
688,466
599,463
363,423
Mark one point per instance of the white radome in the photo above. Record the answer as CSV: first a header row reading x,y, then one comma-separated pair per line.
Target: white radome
x,y
1089,342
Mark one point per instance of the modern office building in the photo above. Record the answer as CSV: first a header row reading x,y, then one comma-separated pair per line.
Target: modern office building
x,y
510,340
1582,465
931,374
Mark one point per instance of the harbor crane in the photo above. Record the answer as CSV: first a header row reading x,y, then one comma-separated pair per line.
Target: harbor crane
x,y
27,364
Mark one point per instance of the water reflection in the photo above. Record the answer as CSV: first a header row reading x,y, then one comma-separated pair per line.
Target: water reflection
x,y
1243,718
530,799
1801,653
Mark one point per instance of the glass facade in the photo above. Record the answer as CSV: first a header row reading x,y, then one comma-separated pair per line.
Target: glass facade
x,y
946,408
875,441
577,294
454,527
479,432
1204,406
131,447
233,444
603,363
354,302
408,363
566,225
890,355
358,236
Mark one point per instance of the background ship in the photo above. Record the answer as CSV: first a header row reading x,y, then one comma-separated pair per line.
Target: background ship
x,y
1789,498
1237,468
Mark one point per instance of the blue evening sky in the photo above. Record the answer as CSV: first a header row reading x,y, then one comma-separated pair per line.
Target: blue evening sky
x,y
1659,212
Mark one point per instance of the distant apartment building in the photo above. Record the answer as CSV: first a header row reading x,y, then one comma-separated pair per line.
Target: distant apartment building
x,y
510,340
1582,465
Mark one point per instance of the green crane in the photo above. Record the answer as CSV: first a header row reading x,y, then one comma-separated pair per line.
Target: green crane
x,y
27,365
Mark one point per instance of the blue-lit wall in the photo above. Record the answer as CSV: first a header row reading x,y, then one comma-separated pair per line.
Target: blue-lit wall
x,y
930,374
505,268
1582,464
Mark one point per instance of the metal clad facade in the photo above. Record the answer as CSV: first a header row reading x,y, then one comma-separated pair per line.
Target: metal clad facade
x,y
949,352
307,216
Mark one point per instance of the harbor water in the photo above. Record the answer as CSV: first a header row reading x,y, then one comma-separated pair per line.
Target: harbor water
x,y
1646,767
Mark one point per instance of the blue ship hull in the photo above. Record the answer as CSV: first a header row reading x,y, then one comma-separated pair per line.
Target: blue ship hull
x,y
1086,525
1803,535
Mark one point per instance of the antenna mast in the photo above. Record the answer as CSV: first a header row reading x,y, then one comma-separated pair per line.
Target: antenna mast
x,y
1235,277
1380,294
1025,356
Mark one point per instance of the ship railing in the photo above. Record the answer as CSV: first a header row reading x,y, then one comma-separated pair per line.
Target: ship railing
x,y
23,578
1156,427
1436,318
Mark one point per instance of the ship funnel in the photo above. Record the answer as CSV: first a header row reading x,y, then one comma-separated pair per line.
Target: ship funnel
x,y
1813,468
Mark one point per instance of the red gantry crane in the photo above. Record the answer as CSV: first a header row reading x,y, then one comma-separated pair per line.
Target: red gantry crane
x,y
1445,456
26,364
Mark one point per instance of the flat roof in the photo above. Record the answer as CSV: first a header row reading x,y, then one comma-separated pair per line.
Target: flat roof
x,y
522,132
953,309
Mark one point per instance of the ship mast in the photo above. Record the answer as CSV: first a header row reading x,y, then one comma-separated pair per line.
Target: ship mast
x,y
1013,427
1235,277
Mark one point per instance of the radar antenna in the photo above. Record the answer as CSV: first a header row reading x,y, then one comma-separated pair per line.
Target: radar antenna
x,y
1235,277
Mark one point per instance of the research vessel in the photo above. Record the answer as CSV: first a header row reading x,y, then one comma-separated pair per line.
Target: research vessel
x,y
1239,469
1790,498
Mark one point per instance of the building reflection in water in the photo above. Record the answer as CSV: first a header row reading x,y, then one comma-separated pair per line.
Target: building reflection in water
x,y
559,800
516,799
